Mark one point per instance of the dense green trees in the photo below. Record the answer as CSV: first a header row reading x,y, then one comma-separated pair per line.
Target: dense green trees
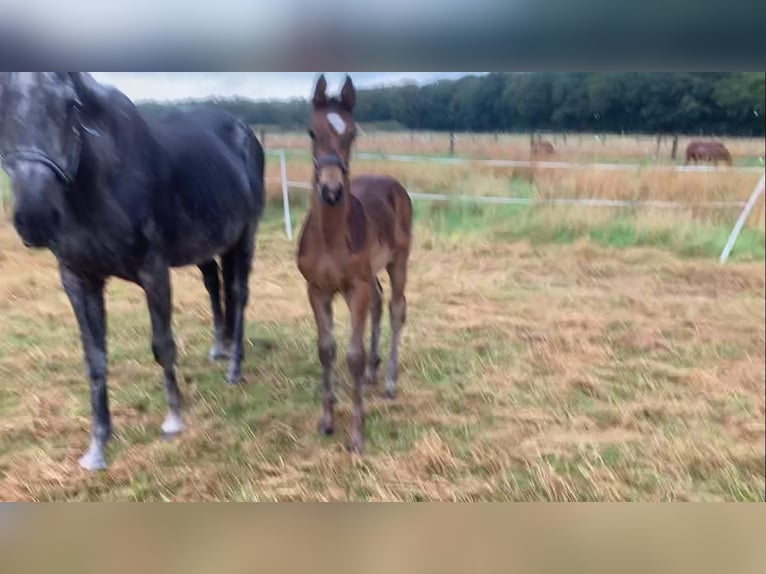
x,y
683,102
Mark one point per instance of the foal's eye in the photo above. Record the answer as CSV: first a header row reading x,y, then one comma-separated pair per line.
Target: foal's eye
x,y
312,135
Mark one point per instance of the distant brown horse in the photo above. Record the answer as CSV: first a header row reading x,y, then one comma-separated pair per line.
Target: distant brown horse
x,y
713,151
540,146
353,230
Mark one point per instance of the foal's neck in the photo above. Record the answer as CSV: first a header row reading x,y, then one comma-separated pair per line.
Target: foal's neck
x,y
331,221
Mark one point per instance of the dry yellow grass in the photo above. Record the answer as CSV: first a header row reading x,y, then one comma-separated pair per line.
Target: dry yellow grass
x,y
481,180
555,373
577,147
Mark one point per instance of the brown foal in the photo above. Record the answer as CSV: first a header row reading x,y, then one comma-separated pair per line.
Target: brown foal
x,y
353,230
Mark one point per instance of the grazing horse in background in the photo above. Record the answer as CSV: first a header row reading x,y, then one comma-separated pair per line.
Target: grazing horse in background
x,y
713,151
353,231
111,195
540,146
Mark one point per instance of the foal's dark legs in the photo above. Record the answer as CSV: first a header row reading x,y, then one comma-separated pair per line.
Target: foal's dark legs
x,y
87,299
239,260
155,280
211,277
321,304
376,312
358,299
397,271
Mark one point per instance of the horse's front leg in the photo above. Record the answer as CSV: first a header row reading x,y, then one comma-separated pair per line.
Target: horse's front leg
x,y
358,299
87,298
155,280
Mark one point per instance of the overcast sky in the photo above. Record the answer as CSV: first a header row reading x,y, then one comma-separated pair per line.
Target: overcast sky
x,y
254,85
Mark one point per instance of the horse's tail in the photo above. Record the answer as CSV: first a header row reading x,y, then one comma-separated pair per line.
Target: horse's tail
x,y
255,161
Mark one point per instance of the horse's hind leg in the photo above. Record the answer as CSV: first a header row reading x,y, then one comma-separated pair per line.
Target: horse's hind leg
x,y
397,271
376,312
211,276
240,259
228,265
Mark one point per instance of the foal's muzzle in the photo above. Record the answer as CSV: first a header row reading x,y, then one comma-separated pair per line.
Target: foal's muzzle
x,y
331,194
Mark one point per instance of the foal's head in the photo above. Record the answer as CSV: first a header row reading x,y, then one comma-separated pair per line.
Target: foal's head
x,y
332,132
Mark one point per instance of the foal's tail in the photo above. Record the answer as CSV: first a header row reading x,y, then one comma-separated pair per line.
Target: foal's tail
x,y
403,210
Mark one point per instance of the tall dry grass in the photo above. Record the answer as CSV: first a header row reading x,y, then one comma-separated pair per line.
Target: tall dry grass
x,y
573,147
480,180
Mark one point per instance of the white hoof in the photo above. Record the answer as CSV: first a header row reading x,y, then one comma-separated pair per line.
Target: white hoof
x,y
173,425
93,461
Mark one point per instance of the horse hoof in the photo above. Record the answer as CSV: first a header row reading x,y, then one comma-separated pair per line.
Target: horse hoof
x,y
92,462
172,427
389,394
325,429
370,376
217,354
233,380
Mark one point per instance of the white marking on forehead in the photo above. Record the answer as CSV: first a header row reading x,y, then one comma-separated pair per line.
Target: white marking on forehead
x,y
337,123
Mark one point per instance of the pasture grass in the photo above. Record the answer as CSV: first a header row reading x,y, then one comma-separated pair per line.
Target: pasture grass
x,y
584,148
534,366
456,221
693,190
551,353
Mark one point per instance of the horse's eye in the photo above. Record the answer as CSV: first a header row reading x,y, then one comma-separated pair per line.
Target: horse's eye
x,y
312,135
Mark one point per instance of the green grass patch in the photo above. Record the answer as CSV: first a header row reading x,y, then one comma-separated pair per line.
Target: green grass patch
x,y
544,225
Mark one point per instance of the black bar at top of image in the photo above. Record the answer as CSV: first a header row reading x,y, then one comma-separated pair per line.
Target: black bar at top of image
x,y
517,35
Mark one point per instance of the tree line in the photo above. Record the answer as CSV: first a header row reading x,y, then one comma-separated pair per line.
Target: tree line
x,y
722,103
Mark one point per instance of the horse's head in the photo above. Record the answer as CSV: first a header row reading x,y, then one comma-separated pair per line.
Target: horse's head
x,y
332,132
40,144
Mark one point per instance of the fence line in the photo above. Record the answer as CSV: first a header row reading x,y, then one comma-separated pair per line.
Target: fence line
x,y
759,189
286,196
539,164
593,202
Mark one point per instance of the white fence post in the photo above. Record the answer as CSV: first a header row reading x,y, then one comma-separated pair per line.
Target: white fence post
x,y
742,218
285,195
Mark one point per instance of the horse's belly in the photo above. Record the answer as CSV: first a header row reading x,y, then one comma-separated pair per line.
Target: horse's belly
x,y
193,248
380,257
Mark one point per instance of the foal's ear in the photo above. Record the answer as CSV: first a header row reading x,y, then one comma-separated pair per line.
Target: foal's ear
x,y
348,95
320,93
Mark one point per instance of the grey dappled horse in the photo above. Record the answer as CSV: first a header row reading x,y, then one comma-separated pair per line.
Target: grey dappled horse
x,y
113,195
